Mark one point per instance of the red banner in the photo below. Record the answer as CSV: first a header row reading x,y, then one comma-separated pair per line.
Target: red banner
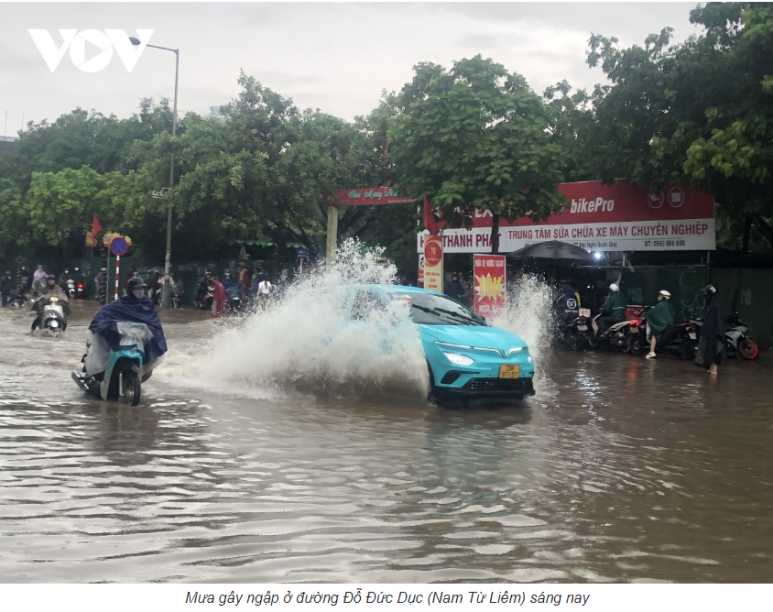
x,y
617,217
369,197
489,271
433,264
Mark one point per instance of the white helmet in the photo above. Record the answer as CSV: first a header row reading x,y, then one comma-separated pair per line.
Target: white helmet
x,y
665,294
614,287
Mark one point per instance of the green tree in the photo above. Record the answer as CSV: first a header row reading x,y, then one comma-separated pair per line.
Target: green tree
x,y
475,138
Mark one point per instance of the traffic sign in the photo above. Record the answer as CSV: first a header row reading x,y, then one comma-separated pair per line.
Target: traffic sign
x,y
118,246
302,254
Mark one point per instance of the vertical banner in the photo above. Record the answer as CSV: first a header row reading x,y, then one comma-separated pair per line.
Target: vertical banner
x,y
489,271
433,263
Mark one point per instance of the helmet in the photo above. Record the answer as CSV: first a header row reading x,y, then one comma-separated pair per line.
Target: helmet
x,y
614,287
709,290
51,277
77,268
135,282
227,275
207,273
665,294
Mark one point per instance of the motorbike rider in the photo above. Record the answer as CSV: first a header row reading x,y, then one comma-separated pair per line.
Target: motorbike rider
x,y
25,280
567,304
77,277
51,290
454,289
712,348
6,288
63,278
133,307
659,318
204,286
613,310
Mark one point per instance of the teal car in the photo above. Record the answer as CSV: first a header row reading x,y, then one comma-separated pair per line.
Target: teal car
x,y
465,356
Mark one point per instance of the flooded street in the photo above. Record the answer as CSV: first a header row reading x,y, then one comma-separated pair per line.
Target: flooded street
x,y
618,470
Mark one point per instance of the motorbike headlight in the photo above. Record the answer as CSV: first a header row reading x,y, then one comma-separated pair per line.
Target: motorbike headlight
x,y
462,360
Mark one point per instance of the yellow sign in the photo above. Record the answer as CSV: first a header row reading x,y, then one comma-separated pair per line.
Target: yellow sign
x,y
108,237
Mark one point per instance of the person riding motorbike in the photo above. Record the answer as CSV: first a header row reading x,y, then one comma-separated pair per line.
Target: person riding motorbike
x,y
134,307
51,290
6,288
25,280
712,347
63,278
80,286
658,319
203,287
613,310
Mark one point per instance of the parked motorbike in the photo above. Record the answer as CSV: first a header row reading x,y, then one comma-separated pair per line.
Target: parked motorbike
x,y
53,316
576,334
623,336
116,375
737,338
679,340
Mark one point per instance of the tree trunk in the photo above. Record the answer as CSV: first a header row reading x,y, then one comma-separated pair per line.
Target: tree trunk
x,y
494,234
747,228
763,226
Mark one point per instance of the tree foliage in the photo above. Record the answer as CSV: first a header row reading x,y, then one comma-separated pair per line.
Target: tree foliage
x,y
475,138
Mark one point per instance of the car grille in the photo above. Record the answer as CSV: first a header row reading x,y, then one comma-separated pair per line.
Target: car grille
x,y
500,384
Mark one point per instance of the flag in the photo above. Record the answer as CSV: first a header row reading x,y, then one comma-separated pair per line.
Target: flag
x,y
96,226
430,223
386,153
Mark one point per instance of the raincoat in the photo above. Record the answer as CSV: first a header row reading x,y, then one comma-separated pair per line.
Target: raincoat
x,y
219,301
712,345
49,292
133,310
660,317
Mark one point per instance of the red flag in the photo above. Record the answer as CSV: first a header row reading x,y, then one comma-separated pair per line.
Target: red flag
x,y
429,218
385,159
96,226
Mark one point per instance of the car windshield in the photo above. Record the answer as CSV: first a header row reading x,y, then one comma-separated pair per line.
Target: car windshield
x,y
437,309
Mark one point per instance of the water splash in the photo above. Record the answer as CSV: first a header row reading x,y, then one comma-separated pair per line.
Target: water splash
x,y
308,343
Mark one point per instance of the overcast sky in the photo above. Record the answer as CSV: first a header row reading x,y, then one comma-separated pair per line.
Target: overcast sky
x,y
335,57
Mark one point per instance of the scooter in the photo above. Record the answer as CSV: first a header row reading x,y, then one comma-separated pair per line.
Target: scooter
x,y
116,375
70,288
680,340
79,291
53,317
206,300
577,332
234,300
737,338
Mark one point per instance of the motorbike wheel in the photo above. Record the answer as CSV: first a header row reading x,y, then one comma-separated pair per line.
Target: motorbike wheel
x,y
687,350
576,342
132,388
593,341
748,349
637,346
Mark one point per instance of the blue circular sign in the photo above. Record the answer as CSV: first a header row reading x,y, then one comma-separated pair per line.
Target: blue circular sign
x,y
118,247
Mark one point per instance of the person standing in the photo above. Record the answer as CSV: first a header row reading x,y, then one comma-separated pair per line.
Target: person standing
x,y
454,289
711,346
659,318
25,280
243,276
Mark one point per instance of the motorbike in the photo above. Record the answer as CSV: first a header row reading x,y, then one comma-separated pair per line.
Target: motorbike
x,y
116,375
205,301
737,338
576,333
624,335
53,317
679,340
80,291
21,300
234,300
70,290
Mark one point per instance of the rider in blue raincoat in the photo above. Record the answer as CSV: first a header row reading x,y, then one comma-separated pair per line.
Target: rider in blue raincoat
x,y
133,307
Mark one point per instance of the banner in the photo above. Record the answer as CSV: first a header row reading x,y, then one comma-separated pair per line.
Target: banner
x,y
369,196
433,263
617,217
490,294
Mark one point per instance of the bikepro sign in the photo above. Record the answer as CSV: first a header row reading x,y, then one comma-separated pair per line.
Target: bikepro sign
x,y
617,217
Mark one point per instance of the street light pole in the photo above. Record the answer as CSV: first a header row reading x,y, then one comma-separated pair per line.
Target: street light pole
x,y
167,294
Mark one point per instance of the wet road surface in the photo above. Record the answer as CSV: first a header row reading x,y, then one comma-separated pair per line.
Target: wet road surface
x,y
619,470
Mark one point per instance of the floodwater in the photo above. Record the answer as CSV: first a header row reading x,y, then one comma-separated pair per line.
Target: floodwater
x,y
618,470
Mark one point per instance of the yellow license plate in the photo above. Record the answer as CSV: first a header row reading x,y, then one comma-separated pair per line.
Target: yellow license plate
x,y
509,371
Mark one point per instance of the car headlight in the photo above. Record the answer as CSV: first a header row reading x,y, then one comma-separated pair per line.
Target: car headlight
x,y
529,359
462,360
